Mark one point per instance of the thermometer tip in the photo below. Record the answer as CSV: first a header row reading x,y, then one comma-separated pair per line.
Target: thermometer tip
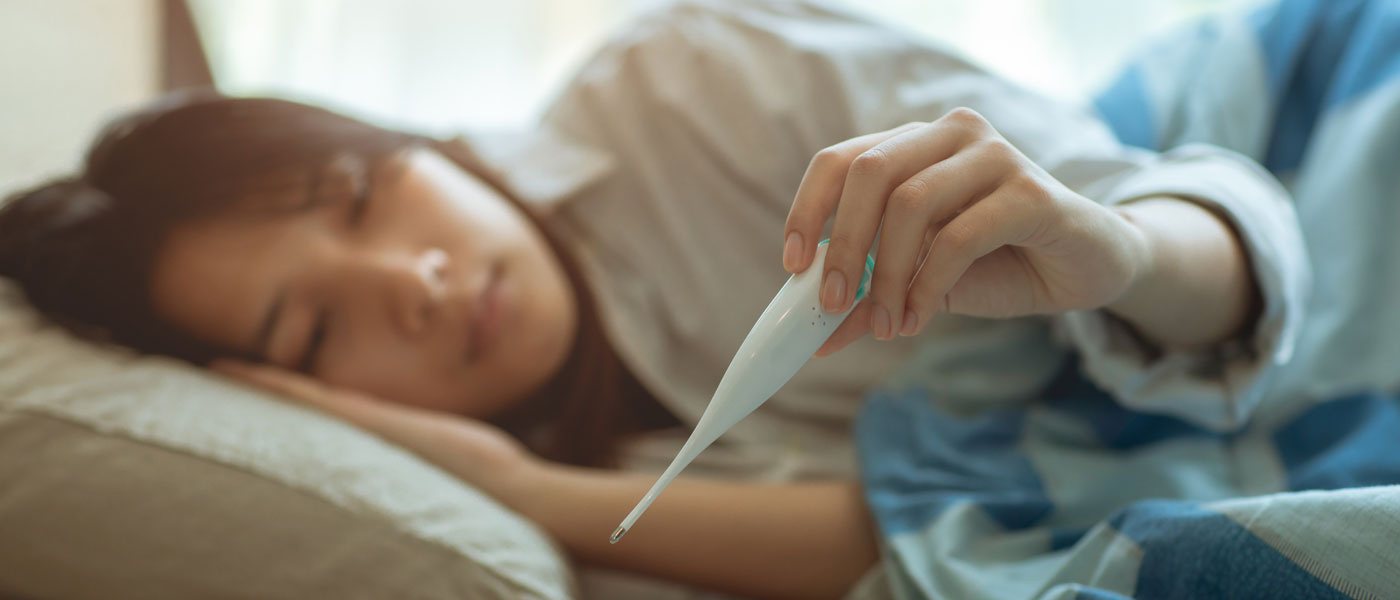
x,y
617,535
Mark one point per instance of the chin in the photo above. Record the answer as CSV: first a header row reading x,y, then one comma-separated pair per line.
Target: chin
x,y
553,318
545,325
549,349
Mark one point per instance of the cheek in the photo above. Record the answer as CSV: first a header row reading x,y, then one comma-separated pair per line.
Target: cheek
x,y
484,217
545,323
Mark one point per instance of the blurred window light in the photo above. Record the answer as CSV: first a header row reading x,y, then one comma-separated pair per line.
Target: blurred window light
x,y
440,66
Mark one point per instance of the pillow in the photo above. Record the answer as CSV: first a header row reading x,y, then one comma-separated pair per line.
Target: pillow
x,y
124,476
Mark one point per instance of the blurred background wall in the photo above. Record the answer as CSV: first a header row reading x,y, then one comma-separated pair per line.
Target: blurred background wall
x,y
65,67
443,65
446,64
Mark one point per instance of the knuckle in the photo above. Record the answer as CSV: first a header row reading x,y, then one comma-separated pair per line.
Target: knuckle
x,y
955,237
967,118
840,246
828,158
1028,189
870,162
995,148
909,197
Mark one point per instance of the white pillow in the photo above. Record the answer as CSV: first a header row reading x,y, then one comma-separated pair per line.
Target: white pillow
x,y
124,476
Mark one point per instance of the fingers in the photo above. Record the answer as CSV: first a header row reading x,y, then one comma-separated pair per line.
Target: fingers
x,y
930,197
272,379
356,408
818,194
873,175
939,196
1009,216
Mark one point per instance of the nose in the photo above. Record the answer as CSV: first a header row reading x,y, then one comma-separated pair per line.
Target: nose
x,y
415,287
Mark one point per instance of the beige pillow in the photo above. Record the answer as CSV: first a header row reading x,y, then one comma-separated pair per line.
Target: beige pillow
x,y
136,477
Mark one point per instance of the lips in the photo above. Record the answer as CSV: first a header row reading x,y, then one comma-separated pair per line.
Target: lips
x,y
486,317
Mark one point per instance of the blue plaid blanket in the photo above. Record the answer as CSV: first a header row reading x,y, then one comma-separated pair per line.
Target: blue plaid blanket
x,y
1070,495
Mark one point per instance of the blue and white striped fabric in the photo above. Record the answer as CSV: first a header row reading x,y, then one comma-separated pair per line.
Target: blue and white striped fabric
x,y
1070,495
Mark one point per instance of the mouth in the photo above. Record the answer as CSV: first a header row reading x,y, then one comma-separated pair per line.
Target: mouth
x,y
486,319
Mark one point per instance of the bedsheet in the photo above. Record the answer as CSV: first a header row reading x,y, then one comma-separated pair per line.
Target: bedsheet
x,y
1072,496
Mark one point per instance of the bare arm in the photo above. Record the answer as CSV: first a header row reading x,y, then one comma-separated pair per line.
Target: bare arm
x,y
1195,288
807,540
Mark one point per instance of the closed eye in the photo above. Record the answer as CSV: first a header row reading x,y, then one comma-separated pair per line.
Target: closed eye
x,y
312,355
359,200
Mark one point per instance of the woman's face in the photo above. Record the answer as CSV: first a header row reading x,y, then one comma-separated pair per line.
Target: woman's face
x,y
422,285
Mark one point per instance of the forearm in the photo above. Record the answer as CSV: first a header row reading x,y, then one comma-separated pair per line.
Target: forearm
x,y
809,540
1196,288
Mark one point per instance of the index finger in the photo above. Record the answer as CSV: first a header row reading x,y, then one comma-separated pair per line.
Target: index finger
x,y
819,193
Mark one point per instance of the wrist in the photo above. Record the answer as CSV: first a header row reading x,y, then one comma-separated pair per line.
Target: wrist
x,y
577,506
1193,287
521,487
1143,250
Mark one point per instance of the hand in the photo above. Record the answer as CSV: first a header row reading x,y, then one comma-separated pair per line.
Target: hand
x,y
970,226
478,453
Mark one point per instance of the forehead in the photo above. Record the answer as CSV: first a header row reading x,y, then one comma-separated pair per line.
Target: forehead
x,y
213,278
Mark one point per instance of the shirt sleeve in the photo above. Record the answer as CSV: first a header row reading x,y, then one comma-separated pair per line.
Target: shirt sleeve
x,y
1218,388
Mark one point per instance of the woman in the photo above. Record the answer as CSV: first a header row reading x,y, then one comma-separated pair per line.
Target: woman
x,y
585,285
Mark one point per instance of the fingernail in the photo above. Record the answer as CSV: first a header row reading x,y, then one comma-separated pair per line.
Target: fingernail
x,y
911,322
880,323
792,250
834,292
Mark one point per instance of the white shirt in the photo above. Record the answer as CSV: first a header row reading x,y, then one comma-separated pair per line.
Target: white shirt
x,y
669,162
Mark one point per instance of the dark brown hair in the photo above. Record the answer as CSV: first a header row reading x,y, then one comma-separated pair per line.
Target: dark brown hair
x,y
82,248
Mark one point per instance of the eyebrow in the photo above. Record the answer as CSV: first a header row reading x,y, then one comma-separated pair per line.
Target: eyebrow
x,y
269,325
